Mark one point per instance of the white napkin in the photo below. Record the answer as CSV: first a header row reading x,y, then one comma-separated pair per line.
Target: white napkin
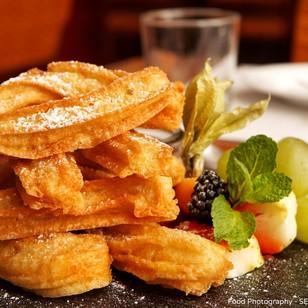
x,y
287,81
287,114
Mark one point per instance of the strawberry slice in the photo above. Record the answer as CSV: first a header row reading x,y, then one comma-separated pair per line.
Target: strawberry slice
x,y
198,228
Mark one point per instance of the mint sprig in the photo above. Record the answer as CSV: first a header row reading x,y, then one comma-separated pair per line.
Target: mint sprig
x,y
250,173
251,178
269,187
232,226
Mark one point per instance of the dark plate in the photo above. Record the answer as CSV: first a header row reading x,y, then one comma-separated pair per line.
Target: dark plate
x,y
283,278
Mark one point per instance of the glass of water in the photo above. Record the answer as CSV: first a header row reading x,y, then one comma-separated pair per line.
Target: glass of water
x,y
180,40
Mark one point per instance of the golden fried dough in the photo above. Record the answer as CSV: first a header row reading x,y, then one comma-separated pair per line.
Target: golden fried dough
x,y
7,176
135,153
36,86
66,125
171,117
108,202
53,182
153,197
169,257
57,264
72,79
59,84
89,169
82,161
86,70
89,173
14,95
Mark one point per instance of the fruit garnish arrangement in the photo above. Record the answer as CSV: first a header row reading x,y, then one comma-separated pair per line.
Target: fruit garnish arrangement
x,y
81,190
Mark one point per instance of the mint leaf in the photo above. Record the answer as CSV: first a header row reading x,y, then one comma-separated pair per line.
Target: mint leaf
x,y
230,225
255,156
239,180
269,187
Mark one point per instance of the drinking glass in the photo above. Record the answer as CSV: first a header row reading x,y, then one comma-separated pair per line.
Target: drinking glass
x,y
180,40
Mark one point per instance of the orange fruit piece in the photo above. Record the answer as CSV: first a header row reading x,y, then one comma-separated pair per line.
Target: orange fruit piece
x,y
183,192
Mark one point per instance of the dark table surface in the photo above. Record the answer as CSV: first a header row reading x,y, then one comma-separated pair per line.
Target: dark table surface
x,y
281,282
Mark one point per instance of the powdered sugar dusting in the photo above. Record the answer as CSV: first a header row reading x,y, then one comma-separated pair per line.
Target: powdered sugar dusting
x,y
64,113
57,117
66,84
90,107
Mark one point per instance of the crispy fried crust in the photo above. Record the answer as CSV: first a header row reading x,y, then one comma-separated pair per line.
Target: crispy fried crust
x,y
74,120
89,173
135,153
171,117
108,202
72,79
54,182
52,128
56,265
7,176
169,257
60,84
91,170
14,95
36,86
153,197
87,70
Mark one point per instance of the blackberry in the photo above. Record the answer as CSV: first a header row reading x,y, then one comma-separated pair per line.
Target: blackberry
x,y
209,186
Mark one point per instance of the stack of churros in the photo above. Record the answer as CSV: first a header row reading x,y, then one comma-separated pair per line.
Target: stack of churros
x,y
72,161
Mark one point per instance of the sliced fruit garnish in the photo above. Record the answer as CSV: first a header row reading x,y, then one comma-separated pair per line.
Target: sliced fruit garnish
x,y
302,219
275,223
246,260
292,160
201,229
195,227
183,192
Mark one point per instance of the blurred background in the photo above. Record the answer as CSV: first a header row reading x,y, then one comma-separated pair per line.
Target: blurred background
x,y
35,32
